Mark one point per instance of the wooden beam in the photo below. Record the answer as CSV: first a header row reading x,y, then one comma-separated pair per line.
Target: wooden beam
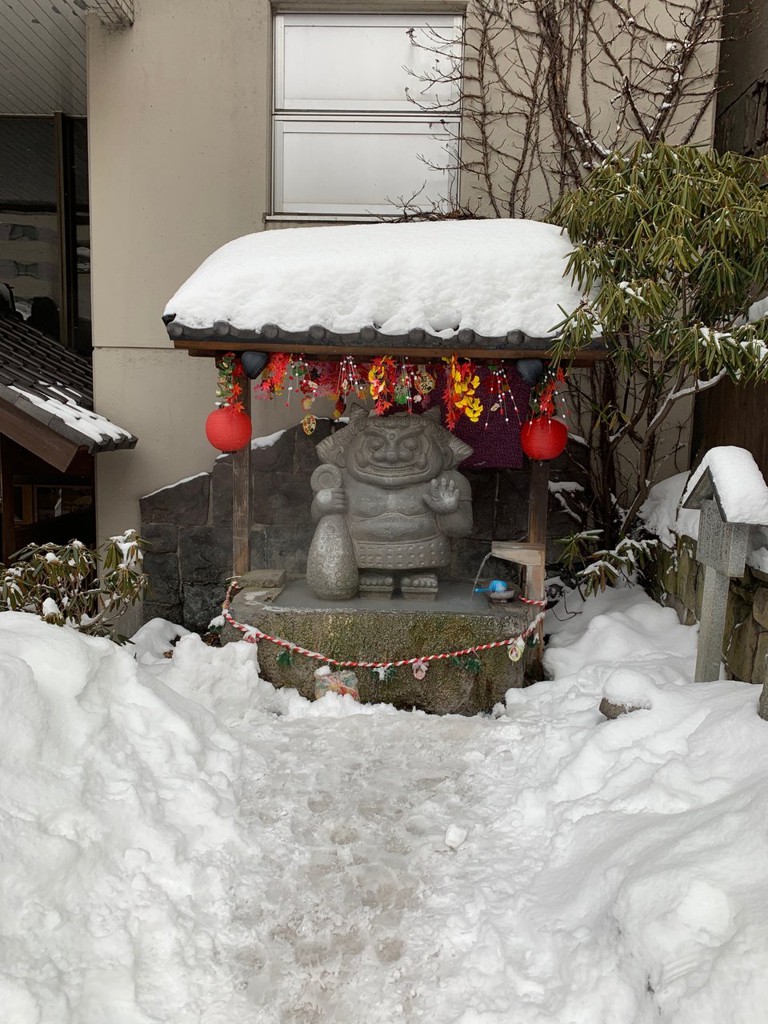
x,y
6,492
241,500
210,348
33,435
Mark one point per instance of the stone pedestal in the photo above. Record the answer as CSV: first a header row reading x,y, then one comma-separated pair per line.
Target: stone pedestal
x,y
366,629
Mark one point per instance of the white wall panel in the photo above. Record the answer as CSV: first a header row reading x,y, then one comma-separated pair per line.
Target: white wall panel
x,y
364,62
361,167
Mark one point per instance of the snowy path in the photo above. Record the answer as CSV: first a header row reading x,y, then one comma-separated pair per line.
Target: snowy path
x,y
181,843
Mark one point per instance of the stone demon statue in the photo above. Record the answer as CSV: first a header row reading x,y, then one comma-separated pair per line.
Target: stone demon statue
x,y
387,498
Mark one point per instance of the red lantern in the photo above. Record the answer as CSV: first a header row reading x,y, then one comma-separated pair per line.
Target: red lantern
x,y
543,438
228,429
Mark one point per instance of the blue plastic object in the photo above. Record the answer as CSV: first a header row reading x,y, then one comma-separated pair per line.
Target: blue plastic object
x,y
493,587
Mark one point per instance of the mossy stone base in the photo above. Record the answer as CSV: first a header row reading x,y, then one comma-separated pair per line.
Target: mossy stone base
x,y
377,630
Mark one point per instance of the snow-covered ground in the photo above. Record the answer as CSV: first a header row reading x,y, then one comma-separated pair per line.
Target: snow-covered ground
x,y
181,843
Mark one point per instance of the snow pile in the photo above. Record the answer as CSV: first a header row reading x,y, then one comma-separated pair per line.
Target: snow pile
x,y
745,500
663,515
182,843
491,276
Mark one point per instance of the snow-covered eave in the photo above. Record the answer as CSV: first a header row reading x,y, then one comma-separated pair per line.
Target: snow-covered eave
x,y
98,435
368,341
494,289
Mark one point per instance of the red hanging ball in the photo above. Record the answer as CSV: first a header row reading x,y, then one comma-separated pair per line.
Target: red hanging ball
x,y
543,438
228,429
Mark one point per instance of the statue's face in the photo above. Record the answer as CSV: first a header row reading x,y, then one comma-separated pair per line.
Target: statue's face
x,y
394,456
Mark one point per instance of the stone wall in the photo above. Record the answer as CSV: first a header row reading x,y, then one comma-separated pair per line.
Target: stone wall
x,y
188,526
678,582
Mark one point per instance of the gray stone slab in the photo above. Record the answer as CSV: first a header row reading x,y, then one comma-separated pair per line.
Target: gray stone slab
x,y
163,573
713,607
160,537
279,455
305,457
281,498
287,547
205,555
221,493
183,504
760,607
158,610
389,629
721,545
259,548
201,603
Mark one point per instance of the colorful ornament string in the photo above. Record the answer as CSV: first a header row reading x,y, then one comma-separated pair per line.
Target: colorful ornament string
x,y
252,635
228,387
392,382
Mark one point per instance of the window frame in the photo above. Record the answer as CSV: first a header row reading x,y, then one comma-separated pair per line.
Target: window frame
x,y
441,123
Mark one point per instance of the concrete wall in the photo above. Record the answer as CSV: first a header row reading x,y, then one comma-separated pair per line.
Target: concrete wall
x,y
178,125
179,129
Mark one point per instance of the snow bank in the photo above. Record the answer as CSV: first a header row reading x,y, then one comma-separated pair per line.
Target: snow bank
x,y
181,843
491,276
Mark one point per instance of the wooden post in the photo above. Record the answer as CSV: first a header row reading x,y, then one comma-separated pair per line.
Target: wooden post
x,y
538,504
241,500
7,493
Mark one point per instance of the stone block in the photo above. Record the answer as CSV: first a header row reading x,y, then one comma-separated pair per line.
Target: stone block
x,y
160,537
259,547
287,547
687,575
205,555
760,661
760,607
350,630
305,457
182,504
610,710
762,707
266,459
158,610
740,648
281,498
202,602
685,615
163,572
221,492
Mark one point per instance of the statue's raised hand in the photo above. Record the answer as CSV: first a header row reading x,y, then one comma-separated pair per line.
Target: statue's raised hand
x,y
330,500
443,496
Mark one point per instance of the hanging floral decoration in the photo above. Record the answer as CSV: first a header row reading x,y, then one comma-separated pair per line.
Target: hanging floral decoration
x,y
351,381
459,395
397,384
382,378
502,398
229,387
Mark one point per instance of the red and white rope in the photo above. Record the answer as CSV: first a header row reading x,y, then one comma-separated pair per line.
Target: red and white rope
x,y
252,635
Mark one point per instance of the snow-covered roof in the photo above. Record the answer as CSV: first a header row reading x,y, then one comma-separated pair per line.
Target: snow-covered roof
x,y
475,279
53,385
731,476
